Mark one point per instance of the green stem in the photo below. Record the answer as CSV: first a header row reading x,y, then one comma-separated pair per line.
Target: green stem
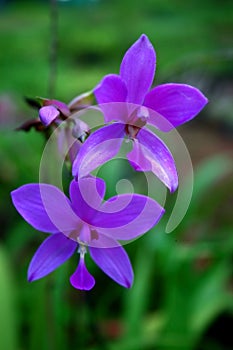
x,y
53,47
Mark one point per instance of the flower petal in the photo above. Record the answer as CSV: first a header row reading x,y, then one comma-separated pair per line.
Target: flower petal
x,y
118,111
81,278
150,153
110,93
86,196
52,253
100,147
138,68
138,159
178,103
158,121
67,144
48,114
111,89
100,240
127,216
45,207
61,106
114,262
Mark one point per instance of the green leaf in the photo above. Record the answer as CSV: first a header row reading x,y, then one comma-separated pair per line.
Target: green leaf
x,y
8,329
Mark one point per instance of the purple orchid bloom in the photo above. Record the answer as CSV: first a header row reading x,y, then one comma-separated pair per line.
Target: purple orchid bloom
x,y
126,98
52,110
72,132
84,222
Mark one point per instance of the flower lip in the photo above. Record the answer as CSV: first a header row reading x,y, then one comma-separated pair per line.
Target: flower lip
x,y
81,278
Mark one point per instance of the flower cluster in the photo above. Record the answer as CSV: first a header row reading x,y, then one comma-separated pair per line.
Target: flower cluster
x,y
84,221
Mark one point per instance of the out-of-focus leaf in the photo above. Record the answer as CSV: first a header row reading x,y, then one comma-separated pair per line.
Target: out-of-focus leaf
x,y
210,297
8,314
137,301
206,177
40,318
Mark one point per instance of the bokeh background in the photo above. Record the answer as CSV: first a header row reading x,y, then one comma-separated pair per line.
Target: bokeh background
x,y
182,294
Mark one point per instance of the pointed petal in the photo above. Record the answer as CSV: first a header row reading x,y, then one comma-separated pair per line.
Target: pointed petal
x,y
100,147
114,262
61,106
111,89
178,103
86,196
48,114
111,95
81,278
127,216
45,207
138,69
157,120
52,253
137,158
148,148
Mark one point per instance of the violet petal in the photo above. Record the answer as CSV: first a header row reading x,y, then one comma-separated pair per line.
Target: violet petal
x,y
52,253
48,114
111,94
111,89
45,207
138,68
101,146
118,111
138,159
61,106
151,149
81,278
127,216
178,103
102,241
114,262
86,196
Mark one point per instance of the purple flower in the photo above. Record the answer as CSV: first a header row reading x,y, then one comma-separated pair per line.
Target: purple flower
x,y
84,222
51,110
55,110
73,131
126,98
176,103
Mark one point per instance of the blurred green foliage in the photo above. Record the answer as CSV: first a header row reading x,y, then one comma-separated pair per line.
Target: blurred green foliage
x,y
183,280
93,38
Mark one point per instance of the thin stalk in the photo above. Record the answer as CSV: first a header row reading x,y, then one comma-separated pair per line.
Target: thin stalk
x,y
53,48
